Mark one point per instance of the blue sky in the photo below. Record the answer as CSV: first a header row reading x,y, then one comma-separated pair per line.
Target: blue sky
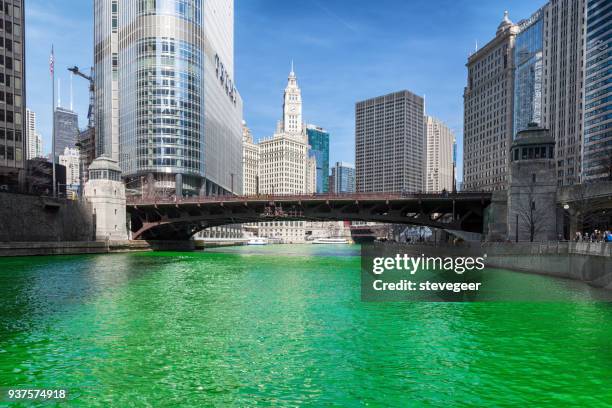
x,y
344,51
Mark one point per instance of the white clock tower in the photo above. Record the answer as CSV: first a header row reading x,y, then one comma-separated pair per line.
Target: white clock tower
x,y
292,107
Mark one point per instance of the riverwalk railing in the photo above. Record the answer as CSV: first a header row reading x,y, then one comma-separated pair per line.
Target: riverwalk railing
x,y
136,200
550,248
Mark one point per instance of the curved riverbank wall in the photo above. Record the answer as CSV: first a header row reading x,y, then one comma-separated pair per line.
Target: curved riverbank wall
x,y
583,261
26,218
89,247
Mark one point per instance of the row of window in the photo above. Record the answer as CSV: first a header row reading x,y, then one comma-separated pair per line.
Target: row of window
x,y
10,63
10,27
5,7
10,117
11,153
534,152
105,175
168,162
8,134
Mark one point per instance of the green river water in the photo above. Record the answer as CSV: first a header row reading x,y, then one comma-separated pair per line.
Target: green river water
x,y
285,326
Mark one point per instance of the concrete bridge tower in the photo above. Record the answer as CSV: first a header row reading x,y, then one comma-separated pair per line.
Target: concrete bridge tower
x,y
532,190
105,192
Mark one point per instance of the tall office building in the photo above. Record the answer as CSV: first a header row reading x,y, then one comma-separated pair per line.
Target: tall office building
x,y
563,84
529,70
33,138
70,158
343,178
66,129
597,155
35,146
439,164
390,143
488,111
318,139
250,162
285,163
166,104
31,133
455,186
13,146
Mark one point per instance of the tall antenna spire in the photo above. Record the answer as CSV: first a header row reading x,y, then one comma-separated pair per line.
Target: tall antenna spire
x,y
292,73
71,95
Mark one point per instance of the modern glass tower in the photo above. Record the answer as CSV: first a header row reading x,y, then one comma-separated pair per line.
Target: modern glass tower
x,y
343,176
318,139
66,129
528,59
597,154
166,105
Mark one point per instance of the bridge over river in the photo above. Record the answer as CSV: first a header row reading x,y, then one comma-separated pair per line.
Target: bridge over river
x,y
179,219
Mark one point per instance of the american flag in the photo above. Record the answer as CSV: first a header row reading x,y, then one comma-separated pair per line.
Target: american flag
x,y
52,61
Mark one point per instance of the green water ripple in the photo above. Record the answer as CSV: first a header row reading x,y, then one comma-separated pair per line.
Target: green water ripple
x,y
284,326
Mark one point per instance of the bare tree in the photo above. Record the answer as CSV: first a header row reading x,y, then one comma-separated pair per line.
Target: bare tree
x,y
531,218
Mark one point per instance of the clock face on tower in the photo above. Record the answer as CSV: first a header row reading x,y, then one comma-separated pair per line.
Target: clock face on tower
x,y
292,109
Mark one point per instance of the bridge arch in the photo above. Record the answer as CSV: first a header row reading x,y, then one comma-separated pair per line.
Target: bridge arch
x,y
166,219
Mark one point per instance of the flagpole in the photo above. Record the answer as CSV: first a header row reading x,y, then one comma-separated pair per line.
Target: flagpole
x,y
52,66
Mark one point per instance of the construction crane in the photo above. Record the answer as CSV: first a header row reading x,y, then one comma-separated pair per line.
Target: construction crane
x,y
90,113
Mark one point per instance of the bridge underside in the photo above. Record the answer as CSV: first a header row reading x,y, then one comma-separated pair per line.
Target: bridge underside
x,y
589,207
180,221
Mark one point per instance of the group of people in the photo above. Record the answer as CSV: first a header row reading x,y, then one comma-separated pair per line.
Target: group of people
x,y
595,236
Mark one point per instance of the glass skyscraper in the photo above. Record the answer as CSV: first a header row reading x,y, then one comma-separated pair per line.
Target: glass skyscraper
x,y
343,176
597,153
528,58
166,104
318,139
66,129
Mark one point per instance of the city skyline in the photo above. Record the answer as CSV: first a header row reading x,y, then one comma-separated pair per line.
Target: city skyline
x,y
321,38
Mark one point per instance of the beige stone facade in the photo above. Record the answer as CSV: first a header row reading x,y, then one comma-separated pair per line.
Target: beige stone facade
x,y
439,164
488,112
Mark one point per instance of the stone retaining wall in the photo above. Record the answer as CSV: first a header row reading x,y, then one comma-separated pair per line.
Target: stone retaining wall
x,y
26,218
587,262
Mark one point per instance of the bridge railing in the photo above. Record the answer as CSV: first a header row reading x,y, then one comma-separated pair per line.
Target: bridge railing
x,y
136,200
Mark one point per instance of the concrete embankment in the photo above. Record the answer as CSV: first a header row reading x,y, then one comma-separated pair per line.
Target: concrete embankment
x,y
583,261
103,247
26,218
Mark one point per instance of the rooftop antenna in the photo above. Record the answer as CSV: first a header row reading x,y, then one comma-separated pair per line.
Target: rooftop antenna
x,y
59,93
71,95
